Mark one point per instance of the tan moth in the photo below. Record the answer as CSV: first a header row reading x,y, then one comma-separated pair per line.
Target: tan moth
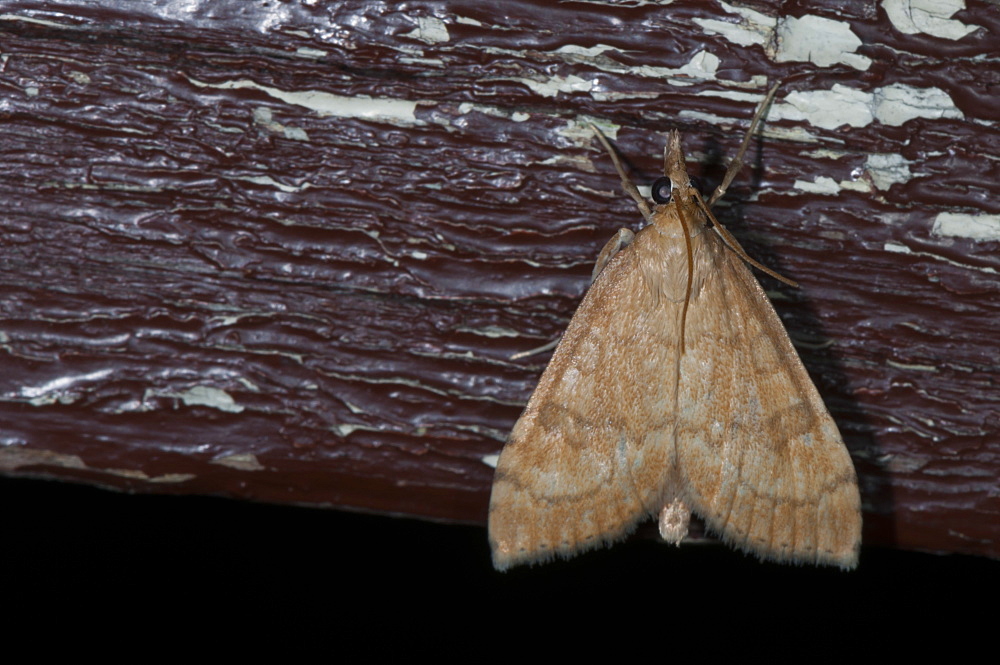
x,y
675,389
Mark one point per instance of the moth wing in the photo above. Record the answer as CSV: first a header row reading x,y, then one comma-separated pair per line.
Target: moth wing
x,y
585,461
759,456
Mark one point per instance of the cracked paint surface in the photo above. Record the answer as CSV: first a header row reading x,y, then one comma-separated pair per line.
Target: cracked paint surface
x,y
291,252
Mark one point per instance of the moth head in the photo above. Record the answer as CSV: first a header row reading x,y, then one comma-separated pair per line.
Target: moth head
x,y
675,177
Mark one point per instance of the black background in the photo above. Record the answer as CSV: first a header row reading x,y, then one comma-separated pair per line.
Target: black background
x,y
87,569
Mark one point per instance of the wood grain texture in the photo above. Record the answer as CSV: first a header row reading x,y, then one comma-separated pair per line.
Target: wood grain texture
x,y
284,252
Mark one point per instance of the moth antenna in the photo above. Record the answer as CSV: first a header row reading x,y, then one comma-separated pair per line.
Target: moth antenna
x,y
627,184
737,163
690,277
732,244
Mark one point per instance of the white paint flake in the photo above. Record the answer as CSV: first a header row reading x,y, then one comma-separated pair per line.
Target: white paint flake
x,y
579,132
892,105
703,65
263,116
208,396
974,227
311,53
754,98
883,170
886,170
14,457
29,19
553,85
750,28
896,248
819,40
490,331
268,181
430,30
241,461
827,109
897,103
928,17
584,52
379,109
516,116
820,185
490,460
809,38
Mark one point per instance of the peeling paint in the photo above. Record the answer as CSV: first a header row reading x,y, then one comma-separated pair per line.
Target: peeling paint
x,y
708,118
897,103
172,478
395,111
886,170
792,134
579,131
207,396
919,368
827,109
242,461
516,116
574,162
137,474
898,248
15,457
490,460
553,85
929,17
36,21
263,117
311,53
751,28
703,65
820,185
819,40
271,182
489,331
430,30
824,185
892,105
344,430
753,97
902,463
981,228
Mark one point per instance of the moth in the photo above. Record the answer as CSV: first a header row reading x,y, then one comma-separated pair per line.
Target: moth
x,y
676,390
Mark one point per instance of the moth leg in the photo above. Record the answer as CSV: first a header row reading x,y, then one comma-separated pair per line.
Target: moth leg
x,y
627,184
737,163
618,242
674,520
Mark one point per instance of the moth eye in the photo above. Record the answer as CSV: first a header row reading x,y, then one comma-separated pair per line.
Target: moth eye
x,y
661,190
